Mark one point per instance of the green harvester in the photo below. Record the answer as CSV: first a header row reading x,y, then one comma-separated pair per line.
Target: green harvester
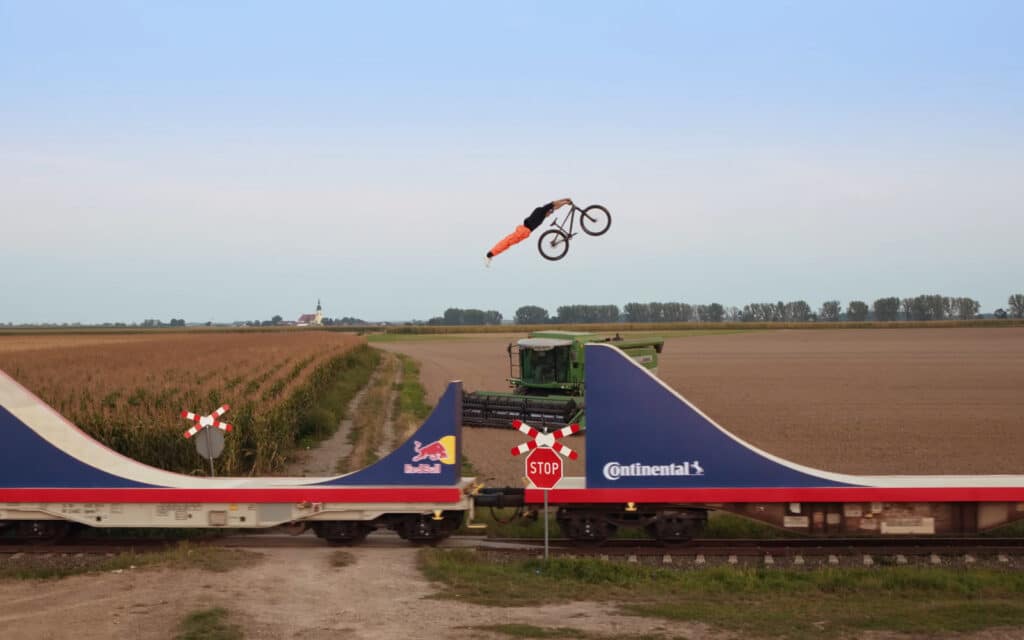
x,y
546,376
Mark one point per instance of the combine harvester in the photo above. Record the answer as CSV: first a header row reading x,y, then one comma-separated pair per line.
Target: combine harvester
x,y
547,373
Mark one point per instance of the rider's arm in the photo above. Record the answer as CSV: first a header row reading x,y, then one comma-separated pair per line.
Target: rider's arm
x,y
558,204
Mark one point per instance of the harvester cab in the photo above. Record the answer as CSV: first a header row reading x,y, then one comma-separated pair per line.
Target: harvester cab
x,y
544,365
546,377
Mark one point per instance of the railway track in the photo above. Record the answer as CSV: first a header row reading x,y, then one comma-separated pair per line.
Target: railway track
x,y
1008,552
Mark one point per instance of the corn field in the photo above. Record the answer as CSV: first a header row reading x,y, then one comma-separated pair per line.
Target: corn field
x,y
128,391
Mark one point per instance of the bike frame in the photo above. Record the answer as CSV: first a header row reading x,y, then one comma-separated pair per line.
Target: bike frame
x,y
570,217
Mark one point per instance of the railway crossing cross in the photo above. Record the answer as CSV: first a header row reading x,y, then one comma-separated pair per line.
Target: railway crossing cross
x,y
544,464
545,440
210,447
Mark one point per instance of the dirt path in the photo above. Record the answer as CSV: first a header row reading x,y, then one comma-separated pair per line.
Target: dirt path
x,y
322,460
289,593
389,439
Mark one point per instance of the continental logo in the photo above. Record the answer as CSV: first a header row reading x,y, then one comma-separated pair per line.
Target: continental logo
x,y
431,456
616,470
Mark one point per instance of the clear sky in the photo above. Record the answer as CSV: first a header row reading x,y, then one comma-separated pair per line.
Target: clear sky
x,y
227,160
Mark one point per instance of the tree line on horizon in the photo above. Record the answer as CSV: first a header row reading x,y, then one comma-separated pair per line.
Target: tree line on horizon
x,y
919,308
925,307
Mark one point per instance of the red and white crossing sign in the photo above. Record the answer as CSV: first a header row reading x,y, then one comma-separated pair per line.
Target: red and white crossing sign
x,y
201,422
544,468
545,440
544,465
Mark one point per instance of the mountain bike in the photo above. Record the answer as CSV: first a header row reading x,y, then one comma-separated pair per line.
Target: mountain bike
x,y
553,244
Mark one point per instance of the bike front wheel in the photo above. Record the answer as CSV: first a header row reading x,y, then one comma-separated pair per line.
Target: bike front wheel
x,y
553,244
595,220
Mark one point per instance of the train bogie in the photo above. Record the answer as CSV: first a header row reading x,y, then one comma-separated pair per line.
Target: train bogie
x,y
665,524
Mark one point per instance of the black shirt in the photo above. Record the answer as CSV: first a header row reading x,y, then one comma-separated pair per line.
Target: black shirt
x,y
534,219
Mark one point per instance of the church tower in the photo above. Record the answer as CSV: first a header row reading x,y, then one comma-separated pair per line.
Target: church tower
x,y
319,319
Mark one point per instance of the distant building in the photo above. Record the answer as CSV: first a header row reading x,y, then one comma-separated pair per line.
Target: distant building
x,y
312,319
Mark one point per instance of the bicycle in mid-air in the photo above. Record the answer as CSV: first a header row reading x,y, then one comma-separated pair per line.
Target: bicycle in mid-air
x,y
553,244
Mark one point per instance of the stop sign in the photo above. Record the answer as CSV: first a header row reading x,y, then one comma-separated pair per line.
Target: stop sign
x,y
544,468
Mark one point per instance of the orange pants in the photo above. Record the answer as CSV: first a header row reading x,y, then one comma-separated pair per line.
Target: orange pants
x,y
521,233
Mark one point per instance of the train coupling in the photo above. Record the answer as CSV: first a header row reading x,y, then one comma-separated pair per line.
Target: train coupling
x,y
499,497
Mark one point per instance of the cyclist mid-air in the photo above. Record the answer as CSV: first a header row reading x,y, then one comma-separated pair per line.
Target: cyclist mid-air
x,y
524,230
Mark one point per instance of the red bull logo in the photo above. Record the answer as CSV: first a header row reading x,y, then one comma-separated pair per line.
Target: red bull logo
x,y
433,451
431,456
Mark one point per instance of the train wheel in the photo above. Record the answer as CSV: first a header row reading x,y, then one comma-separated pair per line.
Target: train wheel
x,y
423,529
340,532
587,527
677,527
44,530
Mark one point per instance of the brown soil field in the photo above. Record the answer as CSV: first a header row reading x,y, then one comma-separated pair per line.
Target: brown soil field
x,y
877,401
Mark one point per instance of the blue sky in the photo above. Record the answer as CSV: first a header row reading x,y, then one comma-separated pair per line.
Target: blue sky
x,y
225,161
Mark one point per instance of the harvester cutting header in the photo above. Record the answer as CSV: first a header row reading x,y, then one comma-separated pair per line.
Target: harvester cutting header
x,y
546,374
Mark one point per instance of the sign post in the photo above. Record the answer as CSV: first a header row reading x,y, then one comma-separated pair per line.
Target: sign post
x,y
213,444
544,469
543,464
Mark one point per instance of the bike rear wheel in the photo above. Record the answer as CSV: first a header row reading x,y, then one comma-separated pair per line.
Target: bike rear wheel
x,y
553,244
595,220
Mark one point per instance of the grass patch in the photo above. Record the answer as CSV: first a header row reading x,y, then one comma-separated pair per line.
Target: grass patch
x,y
468,470
182,556
464,333
368,420
515,630
682,333
1012,530
342,559
320,420
419,337
208,624
502,523
411,407
755,602
722,525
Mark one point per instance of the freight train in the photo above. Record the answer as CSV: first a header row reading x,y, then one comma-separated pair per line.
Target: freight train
x,y
652,461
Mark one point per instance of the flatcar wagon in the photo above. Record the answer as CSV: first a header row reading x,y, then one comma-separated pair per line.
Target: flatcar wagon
x,y
54,476
654,460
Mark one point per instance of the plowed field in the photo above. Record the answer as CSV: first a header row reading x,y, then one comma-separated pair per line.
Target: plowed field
x,y
882,401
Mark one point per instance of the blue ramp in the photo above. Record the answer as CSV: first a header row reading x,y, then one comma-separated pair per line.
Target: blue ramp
x,y
642,434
